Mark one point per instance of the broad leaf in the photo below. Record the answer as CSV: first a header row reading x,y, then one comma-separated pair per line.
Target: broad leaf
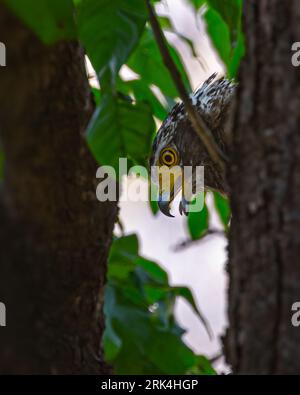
x,y
51,20
153,203
110,30
219,34
223,209
119,129
203,367
147,62
231,13
237,56
224,28
197,4
198,223
142,92
186,293
141,334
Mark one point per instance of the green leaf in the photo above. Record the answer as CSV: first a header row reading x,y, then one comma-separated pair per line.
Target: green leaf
x,y
153,203
121,129
198,223
231,13
110,30
141,334
122,256
237,56
223,19
142,92
156,273
125,245
223,209
197,3
203,367
145,347
165,22
154,207
186,293
147,62
219,34
51,20
97,95
111,341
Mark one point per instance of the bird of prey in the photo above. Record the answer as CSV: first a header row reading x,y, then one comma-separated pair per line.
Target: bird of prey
x,y
177,144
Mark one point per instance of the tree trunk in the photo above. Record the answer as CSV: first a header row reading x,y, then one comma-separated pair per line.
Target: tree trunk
x,y
264,246
54,235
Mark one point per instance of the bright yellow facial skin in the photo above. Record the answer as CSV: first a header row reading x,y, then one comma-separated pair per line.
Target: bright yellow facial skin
x,y
170,178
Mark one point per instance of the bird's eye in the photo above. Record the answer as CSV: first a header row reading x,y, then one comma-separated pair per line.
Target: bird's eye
x,y
169,157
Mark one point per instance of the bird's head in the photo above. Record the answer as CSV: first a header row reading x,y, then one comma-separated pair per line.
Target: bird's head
x,y
176,144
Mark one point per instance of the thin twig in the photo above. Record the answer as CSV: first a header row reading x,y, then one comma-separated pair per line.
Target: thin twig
x,y
197,122
190,242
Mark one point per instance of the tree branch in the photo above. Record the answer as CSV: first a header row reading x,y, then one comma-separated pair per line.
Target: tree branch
x,y
206,136
190,242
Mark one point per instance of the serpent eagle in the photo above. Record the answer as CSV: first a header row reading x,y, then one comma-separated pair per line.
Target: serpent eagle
x,y
177,144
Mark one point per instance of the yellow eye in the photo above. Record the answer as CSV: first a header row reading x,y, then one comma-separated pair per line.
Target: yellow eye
x,y
169,157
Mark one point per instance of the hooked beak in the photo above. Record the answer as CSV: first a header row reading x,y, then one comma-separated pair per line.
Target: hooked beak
x,y
172,180
183,206
164,207
166,196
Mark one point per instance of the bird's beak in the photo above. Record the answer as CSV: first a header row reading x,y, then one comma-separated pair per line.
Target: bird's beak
x,y
183,206
168,193
164,206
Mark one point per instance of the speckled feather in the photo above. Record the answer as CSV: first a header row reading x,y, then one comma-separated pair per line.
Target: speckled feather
x,y
212,101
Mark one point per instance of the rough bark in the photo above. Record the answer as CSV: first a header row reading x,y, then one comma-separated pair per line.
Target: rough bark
x,y
54,235
265,240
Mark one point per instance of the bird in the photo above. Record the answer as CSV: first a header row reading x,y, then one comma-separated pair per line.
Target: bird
x,y
176,144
